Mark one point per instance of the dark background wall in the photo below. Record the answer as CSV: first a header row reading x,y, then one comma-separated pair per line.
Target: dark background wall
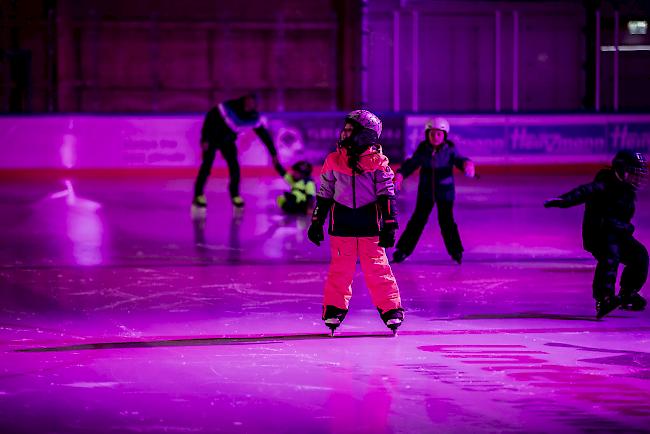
x,y
485,56
182,56
168,56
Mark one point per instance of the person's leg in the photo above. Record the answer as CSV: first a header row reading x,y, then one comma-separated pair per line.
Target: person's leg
x,y
449,230
378,275
381,282
204,171
229,152
411,235
338,285
604,284
634,256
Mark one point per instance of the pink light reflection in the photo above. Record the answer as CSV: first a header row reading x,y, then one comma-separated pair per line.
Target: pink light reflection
x,y
69,148
84,227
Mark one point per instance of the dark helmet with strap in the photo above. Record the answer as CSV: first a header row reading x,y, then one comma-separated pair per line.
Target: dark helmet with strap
x,y
304,168
631,167
367,129
365,134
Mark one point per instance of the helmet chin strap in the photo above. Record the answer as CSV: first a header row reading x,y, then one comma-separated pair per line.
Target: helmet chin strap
x,y
626,179
619,176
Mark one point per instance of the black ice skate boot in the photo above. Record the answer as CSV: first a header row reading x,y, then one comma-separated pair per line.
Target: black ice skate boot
x,y
392,318
399,256
457,257
632,301
199,207
237,201
607,305
333,317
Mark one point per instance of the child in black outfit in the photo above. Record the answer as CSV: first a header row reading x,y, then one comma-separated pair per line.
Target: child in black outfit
x,y
607,231
220,128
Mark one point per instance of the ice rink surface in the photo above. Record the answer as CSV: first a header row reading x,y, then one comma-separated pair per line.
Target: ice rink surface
x,y
121,313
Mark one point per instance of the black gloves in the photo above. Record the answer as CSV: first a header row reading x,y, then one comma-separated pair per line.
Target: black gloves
x,y
389,217
315,231
387,235
556,202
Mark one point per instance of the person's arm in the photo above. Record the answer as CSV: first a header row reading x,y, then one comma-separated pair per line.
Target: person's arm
x,y
384,182
389,220
463,163
411,164
324,200
385,190
327,181
264,135
310,192
288,179
310,189
283,172
576,196
266,138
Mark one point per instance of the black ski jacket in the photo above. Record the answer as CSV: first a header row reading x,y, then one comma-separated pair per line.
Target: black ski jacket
x,y
225,121
609,208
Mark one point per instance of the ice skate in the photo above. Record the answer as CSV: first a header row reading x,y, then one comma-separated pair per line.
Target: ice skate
x,y
399,256
458,258
633,302
199,207
237,201
333,317
393,319
607,305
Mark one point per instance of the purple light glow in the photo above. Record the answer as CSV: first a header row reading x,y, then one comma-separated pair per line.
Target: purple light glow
x,y
214,325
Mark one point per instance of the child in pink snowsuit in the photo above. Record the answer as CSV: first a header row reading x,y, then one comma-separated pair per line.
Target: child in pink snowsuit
x,y
357,191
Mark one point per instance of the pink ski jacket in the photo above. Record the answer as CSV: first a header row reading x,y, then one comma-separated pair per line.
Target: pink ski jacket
x,y
355,211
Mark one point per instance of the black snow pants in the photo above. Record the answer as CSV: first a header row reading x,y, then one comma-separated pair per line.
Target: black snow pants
x,y
229,151
409,238
614,250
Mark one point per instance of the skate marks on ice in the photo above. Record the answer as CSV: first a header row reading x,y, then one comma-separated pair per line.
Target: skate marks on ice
x,y
279,339
194,342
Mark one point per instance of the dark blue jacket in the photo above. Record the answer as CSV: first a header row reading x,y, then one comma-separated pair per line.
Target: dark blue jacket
x,y
436,170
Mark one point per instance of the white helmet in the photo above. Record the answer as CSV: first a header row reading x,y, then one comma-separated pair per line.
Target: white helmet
x,y
366,119
438,124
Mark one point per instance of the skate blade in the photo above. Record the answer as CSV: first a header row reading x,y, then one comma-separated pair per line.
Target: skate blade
x,y
632,308
604,313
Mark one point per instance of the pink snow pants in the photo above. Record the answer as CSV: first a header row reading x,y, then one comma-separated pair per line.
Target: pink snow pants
x,y
374,265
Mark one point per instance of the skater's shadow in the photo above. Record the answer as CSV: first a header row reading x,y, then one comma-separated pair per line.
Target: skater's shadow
x,y
524,315
199,342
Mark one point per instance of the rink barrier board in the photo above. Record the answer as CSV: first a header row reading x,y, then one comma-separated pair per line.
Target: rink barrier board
x,y
269,172
154,142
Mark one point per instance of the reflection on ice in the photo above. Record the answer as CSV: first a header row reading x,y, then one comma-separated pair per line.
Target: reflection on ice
x,y
84,226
